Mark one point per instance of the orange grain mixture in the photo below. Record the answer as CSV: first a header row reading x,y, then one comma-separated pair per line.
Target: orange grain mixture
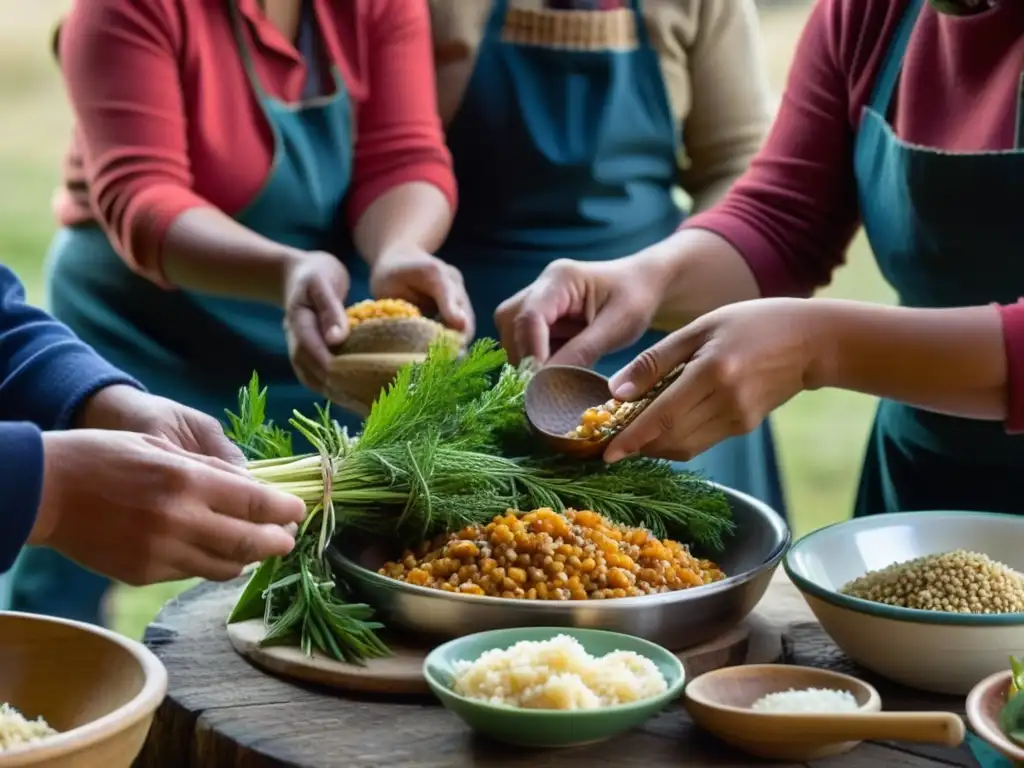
x,y
381,309
546,555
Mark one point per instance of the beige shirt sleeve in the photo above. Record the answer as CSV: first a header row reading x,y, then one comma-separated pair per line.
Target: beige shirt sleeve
x,y
711,62
713,69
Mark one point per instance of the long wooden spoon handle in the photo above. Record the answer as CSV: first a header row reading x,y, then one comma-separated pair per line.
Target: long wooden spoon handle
x,y
922,727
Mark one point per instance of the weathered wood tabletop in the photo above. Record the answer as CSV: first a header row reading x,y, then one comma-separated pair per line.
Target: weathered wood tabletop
x,y
221,711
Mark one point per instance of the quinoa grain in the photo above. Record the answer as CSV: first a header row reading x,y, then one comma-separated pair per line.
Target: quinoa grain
x,y
951,582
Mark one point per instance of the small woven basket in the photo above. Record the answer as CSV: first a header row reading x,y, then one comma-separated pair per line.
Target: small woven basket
x,y
373,354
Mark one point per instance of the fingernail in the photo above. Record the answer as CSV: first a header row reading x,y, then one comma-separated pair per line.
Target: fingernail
x,y
623,391
613,455
334,335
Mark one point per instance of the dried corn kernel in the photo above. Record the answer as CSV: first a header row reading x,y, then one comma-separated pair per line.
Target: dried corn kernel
x,y
602,420
381,309
546,555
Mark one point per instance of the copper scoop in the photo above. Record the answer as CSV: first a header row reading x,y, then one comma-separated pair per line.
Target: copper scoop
x,y
558,395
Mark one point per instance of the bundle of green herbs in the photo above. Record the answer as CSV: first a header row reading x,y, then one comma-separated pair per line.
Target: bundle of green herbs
x,y
445,446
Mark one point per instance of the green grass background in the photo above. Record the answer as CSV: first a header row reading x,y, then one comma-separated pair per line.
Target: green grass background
x,y
821,434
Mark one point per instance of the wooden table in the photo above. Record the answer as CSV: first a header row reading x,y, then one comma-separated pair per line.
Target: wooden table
x,y
222,712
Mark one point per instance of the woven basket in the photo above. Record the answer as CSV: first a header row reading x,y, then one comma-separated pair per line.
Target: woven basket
x,y
373,354
355,381
414,334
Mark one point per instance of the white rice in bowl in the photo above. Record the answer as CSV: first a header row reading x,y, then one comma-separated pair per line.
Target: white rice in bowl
x,y
557,674
16,730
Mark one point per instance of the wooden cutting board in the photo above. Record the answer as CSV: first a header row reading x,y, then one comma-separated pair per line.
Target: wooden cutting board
x,y
754,641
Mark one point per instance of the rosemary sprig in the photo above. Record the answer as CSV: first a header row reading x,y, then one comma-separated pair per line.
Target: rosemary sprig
x,y
445,446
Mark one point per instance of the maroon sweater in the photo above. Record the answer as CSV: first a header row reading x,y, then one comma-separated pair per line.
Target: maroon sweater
x,y
793,214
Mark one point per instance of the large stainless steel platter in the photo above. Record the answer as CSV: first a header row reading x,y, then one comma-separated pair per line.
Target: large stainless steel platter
x,y
676,620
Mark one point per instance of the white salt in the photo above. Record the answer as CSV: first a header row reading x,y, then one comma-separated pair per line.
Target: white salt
x,y
807,700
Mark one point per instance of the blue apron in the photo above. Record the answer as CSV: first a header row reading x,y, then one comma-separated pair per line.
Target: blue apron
x,y
946,231
571,154
193,348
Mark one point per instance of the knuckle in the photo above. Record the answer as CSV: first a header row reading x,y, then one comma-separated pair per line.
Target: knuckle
x,y
244,550
666,421
728,370
563,268
172,481
647,364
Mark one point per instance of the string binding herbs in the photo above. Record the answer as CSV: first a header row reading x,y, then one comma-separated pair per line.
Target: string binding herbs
x,y
445,446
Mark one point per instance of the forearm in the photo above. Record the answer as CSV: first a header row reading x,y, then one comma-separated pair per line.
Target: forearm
x,y
946,360
701,272
205,250
412,215
21,477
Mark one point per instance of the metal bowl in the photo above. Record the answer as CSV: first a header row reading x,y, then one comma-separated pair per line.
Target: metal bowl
x,y
675,620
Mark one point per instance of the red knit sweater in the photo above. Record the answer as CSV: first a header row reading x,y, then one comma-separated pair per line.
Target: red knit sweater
x,y
167,120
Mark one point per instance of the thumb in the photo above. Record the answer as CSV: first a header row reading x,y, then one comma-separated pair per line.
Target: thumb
x,y
216,444
655,362
330,312
449,301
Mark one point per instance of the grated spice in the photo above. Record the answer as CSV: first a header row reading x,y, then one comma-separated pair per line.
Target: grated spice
x,y
807,700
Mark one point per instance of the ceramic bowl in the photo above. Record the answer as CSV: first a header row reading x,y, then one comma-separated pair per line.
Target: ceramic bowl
x,y
546,727
99,690
928,650
984,702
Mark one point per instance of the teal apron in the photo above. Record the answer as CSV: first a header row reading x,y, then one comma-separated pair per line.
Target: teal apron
x,y
571,154
946,230
194,348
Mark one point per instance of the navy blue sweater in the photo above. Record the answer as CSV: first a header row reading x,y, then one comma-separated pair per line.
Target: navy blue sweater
x,y
45,375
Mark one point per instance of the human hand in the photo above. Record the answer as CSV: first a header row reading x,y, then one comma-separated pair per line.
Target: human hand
x,y
575,312
125,408
142,510
426,281
741,362
314,314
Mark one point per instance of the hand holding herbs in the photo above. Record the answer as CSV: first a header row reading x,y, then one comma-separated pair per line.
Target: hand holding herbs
x,y
445,447
142,510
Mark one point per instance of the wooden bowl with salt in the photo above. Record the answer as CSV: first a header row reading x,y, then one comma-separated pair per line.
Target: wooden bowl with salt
x,y
722,702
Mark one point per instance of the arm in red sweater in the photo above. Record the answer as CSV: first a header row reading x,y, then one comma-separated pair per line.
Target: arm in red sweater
x,y
400,139
121,69
137,128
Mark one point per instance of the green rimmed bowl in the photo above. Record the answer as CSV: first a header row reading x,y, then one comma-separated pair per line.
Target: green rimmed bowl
x,y
928,650
548,727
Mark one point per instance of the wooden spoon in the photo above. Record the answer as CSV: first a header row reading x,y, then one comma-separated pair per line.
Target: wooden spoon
x,y
720,702
558,395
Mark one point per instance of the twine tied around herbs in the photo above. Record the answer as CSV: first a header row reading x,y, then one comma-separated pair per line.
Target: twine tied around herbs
x,y
327,467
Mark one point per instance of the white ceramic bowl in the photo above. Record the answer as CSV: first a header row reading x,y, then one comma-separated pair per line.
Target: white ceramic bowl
x,y
929,650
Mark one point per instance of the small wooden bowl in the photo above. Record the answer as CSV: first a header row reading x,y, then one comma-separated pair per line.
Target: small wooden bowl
x,y
984,702
556,398
98,689
720,703
402,335
356,381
